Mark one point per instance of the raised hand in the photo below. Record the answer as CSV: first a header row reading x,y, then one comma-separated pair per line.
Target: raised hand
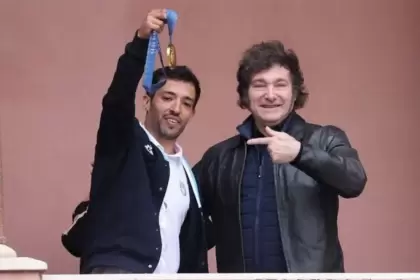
x,y
154,21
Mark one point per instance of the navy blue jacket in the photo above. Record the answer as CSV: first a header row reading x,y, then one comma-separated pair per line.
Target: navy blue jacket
x,y
121,226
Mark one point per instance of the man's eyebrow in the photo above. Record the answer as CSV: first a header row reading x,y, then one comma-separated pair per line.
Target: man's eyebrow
x,y
264,81
169,92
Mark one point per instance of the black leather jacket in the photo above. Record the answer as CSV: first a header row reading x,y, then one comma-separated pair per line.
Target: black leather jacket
x,y
307,193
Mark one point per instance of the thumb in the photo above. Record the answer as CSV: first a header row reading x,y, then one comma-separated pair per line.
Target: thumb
x,y
271,132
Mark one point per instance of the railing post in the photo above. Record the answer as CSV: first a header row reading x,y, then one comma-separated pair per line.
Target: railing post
x,y
11,266
5,251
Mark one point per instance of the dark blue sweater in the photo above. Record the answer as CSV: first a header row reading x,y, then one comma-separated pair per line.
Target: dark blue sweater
x,y
260,225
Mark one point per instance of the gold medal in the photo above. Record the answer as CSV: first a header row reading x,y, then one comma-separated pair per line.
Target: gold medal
x,y
171,54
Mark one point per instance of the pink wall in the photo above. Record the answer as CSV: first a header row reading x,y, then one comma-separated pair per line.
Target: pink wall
x,y
360,60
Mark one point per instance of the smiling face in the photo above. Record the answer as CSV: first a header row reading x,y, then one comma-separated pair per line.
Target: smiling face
x,y
170,109
271,95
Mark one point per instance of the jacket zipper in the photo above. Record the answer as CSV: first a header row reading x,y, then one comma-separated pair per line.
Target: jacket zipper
x,y
240,218
282,233
257,210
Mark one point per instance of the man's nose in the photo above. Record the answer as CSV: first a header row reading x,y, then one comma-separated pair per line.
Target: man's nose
x,y
176,107
270,95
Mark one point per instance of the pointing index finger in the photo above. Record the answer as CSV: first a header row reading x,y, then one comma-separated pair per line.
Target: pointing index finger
x,y
259,141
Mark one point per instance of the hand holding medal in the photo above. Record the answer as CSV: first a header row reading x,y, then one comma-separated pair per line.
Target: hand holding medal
x,y
154,23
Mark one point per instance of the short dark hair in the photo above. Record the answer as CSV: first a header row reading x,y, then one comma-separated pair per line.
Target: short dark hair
x,y
263,56
179,73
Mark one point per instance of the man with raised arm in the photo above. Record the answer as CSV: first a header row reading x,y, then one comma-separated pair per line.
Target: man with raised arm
x,y
143,214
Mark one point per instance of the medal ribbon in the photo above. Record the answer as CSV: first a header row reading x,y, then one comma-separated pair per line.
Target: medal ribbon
x,y
153,48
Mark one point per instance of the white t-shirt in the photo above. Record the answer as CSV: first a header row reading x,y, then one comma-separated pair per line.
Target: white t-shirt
x,y
172,215
176,203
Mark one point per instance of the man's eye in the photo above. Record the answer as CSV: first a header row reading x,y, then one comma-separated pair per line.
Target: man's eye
x,y
165,98
189,105
281,85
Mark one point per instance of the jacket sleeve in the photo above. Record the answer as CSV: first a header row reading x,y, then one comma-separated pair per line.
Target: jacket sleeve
x,y
205,193
338,166
116,130
116,126
73,238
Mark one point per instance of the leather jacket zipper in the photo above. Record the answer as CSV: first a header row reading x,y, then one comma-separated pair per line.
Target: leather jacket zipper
x,y
282,232
240,217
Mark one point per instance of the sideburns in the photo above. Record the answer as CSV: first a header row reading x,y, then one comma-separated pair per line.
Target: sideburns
x,y
243,101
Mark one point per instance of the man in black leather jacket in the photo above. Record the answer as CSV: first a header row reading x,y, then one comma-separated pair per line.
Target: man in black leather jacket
x,y
272,191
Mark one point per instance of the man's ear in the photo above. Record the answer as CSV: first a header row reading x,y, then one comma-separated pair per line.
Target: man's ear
x,y
146,102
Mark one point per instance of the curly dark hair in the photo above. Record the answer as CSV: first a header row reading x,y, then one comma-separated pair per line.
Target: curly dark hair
x,y
263,56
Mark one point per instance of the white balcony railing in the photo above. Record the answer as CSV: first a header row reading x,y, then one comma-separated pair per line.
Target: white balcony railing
x,y
246,276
